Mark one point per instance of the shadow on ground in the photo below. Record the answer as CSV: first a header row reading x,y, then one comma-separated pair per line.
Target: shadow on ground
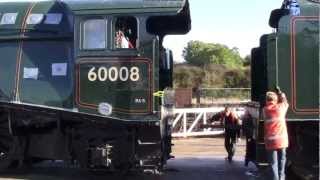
x,y
182,168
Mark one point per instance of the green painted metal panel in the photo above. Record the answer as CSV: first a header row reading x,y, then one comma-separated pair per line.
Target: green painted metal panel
x,y
272,61
155,11
263,71
284,67
49,7
52,84
151,51
143,5
12,7
298,64
255,56
309,7
41,29
305,62
125,84
8,51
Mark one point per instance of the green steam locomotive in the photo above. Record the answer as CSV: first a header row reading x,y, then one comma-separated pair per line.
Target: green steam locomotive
x,y
80,81
289,58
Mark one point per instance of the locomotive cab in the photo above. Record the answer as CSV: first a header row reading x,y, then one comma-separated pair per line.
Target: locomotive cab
x,y
120,66
120,60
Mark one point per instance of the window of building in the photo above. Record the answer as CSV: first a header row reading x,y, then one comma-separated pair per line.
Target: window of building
x,y
94,34
126,31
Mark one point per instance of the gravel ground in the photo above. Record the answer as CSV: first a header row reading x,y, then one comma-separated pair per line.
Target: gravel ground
x,y
213,146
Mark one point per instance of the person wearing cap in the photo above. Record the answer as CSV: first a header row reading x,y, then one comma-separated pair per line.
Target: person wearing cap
x,y
275,132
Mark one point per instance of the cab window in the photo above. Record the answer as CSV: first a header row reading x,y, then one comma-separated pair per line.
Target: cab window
x,y
94,34
125,35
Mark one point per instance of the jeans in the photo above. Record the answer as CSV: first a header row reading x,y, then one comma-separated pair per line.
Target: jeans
x,y
277,160
250,150
230,143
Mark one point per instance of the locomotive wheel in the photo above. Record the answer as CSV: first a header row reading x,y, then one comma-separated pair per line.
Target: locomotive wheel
x,y
7,145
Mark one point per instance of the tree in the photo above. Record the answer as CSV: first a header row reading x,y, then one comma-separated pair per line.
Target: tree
x,y
202,54
247,60
186,76
212,65
237,78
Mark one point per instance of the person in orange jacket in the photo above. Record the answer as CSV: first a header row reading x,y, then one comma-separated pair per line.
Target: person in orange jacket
x,y
275,132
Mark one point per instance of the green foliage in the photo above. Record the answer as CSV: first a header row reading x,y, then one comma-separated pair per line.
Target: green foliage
x,y
212,65
237,78
213,76
218,76
247,60
186,76
224,93
202,54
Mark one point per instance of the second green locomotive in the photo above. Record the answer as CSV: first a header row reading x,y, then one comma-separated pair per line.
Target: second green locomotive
x,y
289,58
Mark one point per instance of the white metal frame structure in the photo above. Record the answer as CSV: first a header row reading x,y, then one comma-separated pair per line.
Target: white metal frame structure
x,y
200,116
194,121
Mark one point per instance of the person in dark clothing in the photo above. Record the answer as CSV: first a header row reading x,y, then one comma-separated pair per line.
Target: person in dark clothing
x,y
247,129
292,6
231,124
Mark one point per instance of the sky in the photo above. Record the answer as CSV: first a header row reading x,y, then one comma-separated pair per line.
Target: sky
x,y
235,23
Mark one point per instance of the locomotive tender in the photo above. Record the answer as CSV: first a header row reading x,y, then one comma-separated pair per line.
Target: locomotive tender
x,y
71,90
289,58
